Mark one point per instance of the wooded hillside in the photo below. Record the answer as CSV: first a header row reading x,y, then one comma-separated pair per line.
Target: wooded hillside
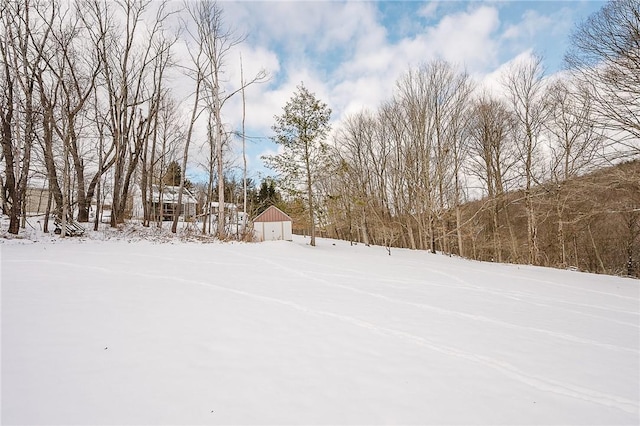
x,y
589,223
537,152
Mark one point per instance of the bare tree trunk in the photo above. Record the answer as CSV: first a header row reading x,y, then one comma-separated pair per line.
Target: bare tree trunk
x,y
459,230
98,211
187,142
66,181
10,184
47,213
212,166
595,250
312,219
244,144
222,231
561,236
146,169
524,85
497,243
21,50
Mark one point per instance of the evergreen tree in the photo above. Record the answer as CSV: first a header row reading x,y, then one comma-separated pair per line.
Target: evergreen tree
x,y
268,195
173,174
301,131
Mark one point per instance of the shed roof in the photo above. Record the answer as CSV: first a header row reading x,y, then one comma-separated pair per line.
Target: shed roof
x,y
273,214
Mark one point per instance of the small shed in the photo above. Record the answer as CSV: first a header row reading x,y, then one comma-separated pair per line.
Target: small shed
x,y
272,224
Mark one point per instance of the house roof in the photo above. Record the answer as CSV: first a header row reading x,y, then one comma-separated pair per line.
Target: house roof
x,y
170,195
273,214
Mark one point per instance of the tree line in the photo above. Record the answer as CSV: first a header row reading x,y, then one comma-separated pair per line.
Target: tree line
x,y
442,165
406,173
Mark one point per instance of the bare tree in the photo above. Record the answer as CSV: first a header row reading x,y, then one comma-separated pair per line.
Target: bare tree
x,y
244,141
197,73
452,91
575,144
361,168
73,72
401,168
524,84
605,57
158,100
214,39
22,49
400,187
413,99
168,137
492,160
432,100
129,58
575,140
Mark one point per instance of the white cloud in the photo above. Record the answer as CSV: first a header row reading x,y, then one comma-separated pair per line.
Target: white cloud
x,y
428,10
492,82
533,23
355,94
467,38
343,52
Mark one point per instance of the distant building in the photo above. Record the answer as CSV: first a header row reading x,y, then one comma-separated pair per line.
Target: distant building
x,y
36,196
36,200
229,208
235,221
165,203
272,224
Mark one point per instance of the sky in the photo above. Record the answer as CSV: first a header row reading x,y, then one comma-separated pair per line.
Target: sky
x,y
351,53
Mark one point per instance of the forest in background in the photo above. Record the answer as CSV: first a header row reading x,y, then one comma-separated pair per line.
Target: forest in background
x,y
550,160
542,170
588,223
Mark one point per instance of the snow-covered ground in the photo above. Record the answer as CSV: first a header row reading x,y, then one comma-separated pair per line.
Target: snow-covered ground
x,y
118,331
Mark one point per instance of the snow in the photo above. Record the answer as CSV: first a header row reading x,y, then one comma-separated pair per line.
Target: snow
x,y
131,331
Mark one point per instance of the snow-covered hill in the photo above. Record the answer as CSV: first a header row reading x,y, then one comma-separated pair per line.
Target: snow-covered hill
x,y
117,332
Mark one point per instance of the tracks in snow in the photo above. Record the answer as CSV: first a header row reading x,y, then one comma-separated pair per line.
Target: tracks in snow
x,y
539,382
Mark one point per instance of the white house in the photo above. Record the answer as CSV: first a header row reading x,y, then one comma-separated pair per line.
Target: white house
x,y
272,224
165,203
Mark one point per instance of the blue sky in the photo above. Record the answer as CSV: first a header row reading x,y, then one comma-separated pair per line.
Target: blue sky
x,y
351,53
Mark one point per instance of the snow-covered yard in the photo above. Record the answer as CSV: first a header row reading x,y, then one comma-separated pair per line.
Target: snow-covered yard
x,y
118,332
